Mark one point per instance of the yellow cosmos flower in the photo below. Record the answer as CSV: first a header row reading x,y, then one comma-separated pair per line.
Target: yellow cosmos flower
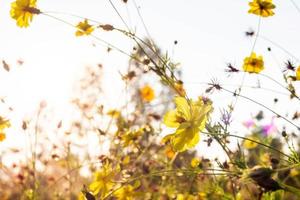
x,y
253,64
263,8
22,11
189,119
250,144
103,181
84,28
147,93
298,74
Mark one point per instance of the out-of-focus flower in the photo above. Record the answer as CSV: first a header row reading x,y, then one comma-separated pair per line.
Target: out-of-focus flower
x,y
186,197
127,192
130,136
2,137
147,93
3,125
226,117
195,162
298,74
84,28
269,128
169,152
189,118
294,172
248,124
103,179
263,8
248,144
114,113
22,11
253,64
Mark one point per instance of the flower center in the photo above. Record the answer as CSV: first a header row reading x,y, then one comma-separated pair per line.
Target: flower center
x,y
180,119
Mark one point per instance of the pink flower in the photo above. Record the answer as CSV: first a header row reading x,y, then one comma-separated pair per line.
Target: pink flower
x,y
248,124
269,128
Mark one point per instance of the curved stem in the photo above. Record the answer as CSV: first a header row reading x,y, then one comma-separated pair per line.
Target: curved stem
x,y
262,105
251,140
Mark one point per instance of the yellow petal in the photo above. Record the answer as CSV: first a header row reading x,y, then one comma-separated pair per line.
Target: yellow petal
x,y
298,74
183,107
170,119
248,144
185,137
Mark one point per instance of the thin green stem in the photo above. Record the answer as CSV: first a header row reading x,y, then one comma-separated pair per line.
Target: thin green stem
x,y
262,105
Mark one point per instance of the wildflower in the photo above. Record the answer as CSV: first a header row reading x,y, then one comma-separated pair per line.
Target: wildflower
x,y
147,93
298,74
195,162
248,124
22,11
294,172
248,144
253,64
103,181
263,8
127,192
169,152
84,28
114,113
186,196
269,128
226,117
131,136
189,118
3,125
2,137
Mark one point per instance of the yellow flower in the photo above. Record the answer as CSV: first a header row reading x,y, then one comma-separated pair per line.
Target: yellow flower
x,y
195,162
103,181
127,192
147,93
263,8
189,119
131,136
169,152
253,64
22,11
294,172
3,125
84,28
298,74
250,144
186,197
114,113
2,137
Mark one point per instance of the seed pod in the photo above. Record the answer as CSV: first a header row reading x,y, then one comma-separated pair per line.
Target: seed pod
x,y
262,176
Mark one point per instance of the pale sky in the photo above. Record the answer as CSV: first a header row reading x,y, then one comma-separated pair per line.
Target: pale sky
x,y
209,34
